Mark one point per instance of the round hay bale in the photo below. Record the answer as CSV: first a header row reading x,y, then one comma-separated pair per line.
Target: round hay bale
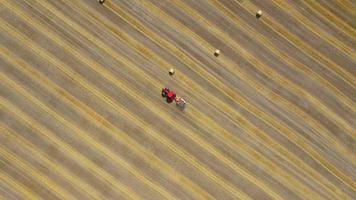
x,y
217,52
259,13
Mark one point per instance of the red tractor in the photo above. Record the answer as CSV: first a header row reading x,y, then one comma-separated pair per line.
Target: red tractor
x,y
170,95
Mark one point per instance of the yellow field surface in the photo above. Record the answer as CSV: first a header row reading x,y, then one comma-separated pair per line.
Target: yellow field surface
x,y
272,117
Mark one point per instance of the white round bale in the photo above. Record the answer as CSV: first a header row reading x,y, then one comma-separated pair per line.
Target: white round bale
x,y
259,13
217,52
171,71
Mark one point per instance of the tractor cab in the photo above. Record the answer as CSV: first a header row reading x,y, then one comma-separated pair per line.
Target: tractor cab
x,y
168,94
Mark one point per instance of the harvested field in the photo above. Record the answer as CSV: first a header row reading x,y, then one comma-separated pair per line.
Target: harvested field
x,y
273,116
